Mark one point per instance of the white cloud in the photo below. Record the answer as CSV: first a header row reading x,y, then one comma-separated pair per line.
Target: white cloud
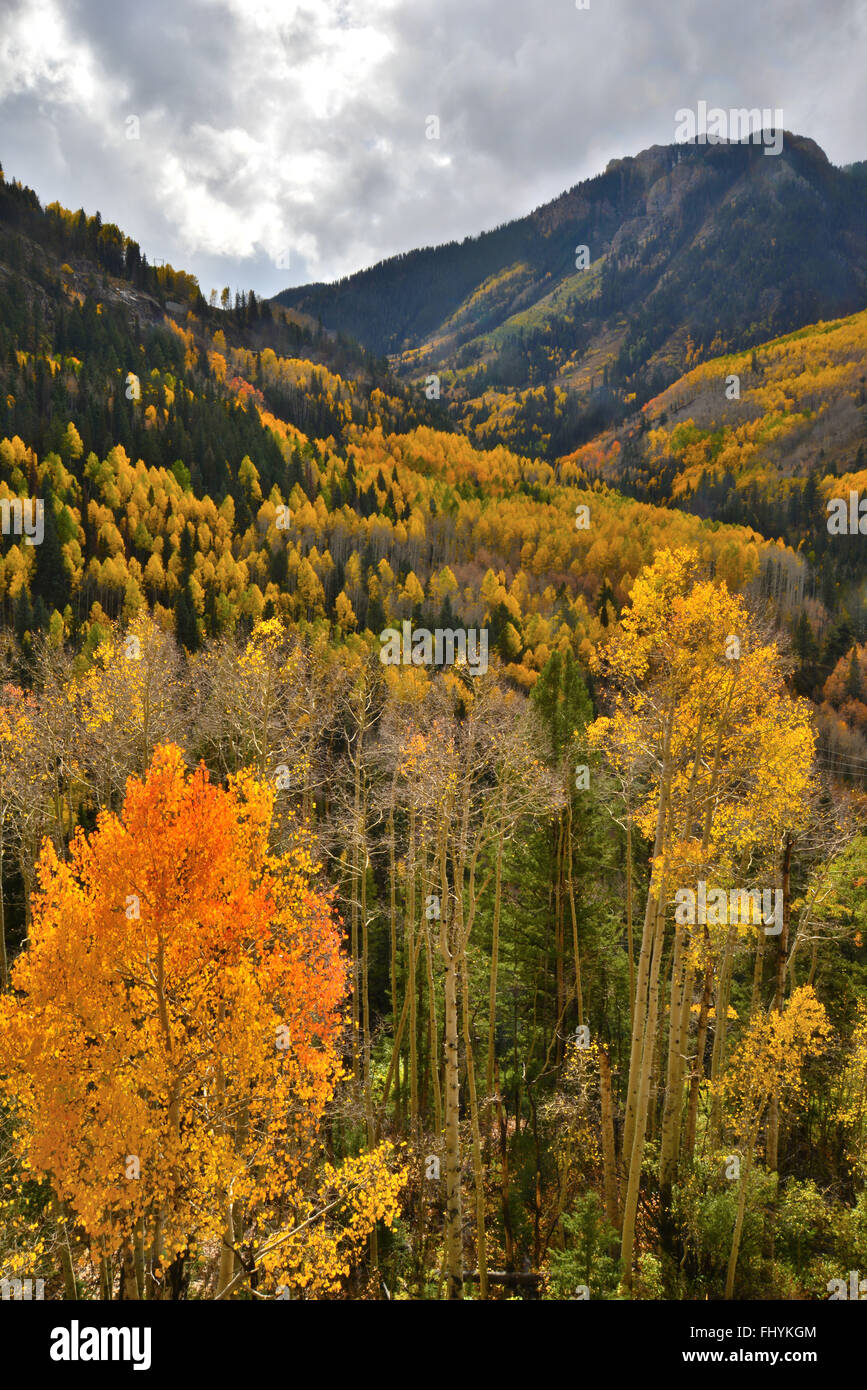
x,y
270,126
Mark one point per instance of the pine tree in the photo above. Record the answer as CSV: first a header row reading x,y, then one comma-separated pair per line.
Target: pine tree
x,y
854,689
50,581
23,614
186,623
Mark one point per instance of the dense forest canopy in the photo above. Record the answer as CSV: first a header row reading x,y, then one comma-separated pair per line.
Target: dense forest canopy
x,y
324,976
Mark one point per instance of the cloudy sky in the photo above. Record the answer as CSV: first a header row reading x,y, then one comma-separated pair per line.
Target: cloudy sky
x,y
281,142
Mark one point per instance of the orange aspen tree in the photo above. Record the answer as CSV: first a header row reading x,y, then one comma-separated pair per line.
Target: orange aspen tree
x,y
174,1037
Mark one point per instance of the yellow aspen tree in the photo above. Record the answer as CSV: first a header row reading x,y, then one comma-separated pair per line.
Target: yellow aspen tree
x,y
769,1065
700,701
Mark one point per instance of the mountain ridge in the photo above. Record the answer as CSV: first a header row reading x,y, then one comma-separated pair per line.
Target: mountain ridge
x,y
689,249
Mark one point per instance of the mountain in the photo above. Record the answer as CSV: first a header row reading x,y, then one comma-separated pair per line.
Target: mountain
x,y
221,465
245,409
693,250
748,425
78,291
762,437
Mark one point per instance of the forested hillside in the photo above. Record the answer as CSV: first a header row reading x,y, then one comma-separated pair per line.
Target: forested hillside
x,y
186,467
547,329
768,438
534,972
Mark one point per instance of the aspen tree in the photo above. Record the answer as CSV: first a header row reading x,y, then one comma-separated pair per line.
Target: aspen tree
x,y
769,1064
165,957
727,755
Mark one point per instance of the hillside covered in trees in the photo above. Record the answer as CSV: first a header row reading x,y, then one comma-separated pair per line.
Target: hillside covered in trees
x,y
536,974
546,330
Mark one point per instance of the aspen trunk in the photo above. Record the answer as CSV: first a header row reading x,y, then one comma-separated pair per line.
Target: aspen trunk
x,y
453,1224
27,879
478,1170
672,1096
227,1253
698,1066
69,1287
412,986
629,930
641,1101
638,1022
354,908
579,994
773,1128
392,902
365,1018
560,982
652,1127
742,1206
242,1130
139,1258
719,1039
639,1017
679,1020
156,1284
129,1286
433,1031
394,1064
755,997
682,976
495,957
609,1162
365,989
508,1236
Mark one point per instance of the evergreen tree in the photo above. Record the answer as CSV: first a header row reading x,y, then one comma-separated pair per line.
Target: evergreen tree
x,y
838,641
50,580
186,623
854,690
23,614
